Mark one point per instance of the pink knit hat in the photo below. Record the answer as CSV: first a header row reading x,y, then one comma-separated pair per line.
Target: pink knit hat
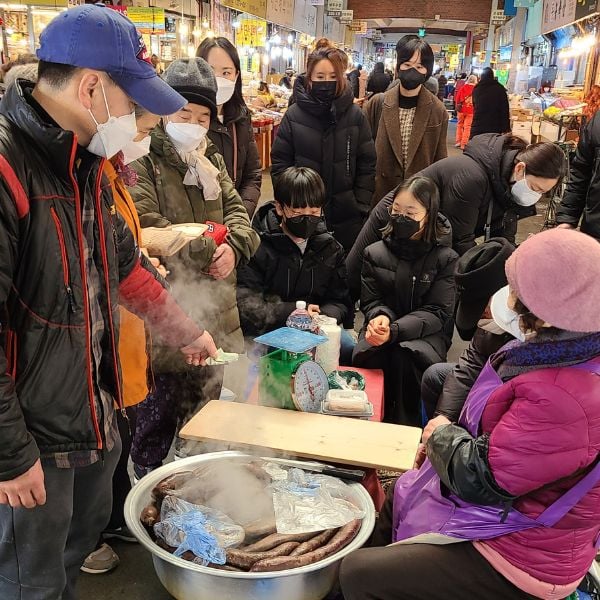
x,y
556,274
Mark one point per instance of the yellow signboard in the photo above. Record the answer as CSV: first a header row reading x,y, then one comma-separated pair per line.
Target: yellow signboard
x,y
252,32
252,7
453,49
147,20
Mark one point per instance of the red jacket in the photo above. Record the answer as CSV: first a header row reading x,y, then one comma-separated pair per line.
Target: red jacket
x,y
464,97
545,427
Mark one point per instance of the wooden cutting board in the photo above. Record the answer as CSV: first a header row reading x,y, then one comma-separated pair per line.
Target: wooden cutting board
x,y
307,435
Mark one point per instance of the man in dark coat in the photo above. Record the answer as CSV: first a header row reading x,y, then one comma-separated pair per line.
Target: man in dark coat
x,y
334,140
581,201
379,80
490,101
353,78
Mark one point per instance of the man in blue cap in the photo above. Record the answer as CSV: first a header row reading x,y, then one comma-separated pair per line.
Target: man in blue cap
x,y
66,261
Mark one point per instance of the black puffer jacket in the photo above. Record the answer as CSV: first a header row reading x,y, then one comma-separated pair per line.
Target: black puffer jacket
x,y
47,400
235,142
370,234
418,297
379,81
581,201
491,109
459,382
337,143
467,184
279,274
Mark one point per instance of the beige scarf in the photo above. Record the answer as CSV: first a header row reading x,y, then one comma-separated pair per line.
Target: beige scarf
x,y
202,172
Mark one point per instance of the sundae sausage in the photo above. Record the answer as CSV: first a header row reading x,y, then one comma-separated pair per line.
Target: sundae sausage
x,y
224,568
314,543
260,528
170,483
282,563
277,539
244,560
149,515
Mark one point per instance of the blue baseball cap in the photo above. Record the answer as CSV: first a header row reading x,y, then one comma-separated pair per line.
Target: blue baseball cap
x,y
93,36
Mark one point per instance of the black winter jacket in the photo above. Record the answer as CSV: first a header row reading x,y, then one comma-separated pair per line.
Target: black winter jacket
x,y
581,201
418,297
491,109
238,136
467,184
353,78
370,234
459,382
378,82
279,274
336,143
47,401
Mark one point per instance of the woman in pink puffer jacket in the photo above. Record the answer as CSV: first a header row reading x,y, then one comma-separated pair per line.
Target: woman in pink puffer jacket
x,y
507,506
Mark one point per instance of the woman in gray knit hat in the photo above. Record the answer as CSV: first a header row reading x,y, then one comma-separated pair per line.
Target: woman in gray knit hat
x,y
185,180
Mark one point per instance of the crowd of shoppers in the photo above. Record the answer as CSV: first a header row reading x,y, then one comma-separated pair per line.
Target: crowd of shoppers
x,y
367,208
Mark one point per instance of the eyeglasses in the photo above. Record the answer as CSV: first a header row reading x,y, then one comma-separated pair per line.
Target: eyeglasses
x,y
417,216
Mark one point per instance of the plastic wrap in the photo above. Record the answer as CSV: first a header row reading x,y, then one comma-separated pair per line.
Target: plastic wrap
x,y
204,531
307,502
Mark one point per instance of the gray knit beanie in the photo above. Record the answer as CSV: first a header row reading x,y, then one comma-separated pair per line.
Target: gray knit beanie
x,y
194,79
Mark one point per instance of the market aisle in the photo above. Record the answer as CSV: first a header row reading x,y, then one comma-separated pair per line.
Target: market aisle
x,y
135,578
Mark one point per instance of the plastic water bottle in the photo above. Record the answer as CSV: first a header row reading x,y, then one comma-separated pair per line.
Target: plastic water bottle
x,y
300,318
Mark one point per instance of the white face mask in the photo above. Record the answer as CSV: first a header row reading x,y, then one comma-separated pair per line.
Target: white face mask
x,y
225,90
111,137
136,150
523,194
185,136
506,318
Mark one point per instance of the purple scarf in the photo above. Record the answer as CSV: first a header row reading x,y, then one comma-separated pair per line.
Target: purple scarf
x,y
549,348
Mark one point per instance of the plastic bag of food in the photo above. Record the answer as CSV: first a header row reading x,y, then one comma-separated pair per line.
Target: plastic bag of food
x,y
346,380
204,531
307,502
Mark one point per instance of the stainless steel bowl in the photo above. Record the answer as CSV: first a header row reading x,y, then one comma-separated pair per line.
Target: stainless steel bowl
x,y
187,581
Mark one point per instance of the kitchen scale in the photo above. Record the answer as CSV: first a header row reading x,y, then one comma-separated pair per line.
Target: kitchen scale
x,y
288,375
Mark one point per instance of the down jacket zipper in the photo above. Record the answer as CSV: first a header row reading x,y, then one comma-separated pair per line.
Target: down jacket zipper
x,y
64,258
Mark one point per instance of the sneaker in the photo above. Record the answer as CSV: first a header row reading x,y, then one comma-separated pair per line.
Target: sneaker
x,y
140,471
120,533
100,561
457,145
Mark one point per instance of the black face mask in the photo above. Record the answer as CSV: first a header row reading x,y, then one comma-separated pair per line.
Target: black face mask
x,y
411,79
404,227
302,227
323,91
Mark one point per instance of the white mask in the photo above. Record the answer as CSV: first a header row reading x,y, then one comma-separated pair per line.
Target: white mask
x,y
185,136
136,150
111,137
523,194
506,318
225,90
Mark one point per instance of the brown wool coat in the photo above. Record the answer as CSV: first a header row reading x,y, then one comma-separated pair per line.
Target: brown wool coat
x,y
427,143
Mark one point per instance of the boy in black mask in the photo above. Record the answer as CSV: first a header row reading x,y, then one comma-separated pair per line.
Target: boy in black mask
x,y
298,259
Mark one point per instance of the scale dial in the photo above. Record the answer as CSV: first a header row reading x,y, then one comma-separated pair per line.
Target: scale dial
x,y
309,387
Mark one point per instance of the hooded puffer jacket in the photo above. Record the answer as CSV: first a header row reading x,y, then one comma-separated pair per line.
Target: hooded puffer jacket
x,y
337,143
279,274
544,435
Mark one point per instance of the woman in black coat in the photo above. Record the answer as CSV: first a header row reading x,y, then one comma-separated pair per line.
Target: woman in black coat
x,y
497,180
326,131
379,81
231,131
407,297
490,102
